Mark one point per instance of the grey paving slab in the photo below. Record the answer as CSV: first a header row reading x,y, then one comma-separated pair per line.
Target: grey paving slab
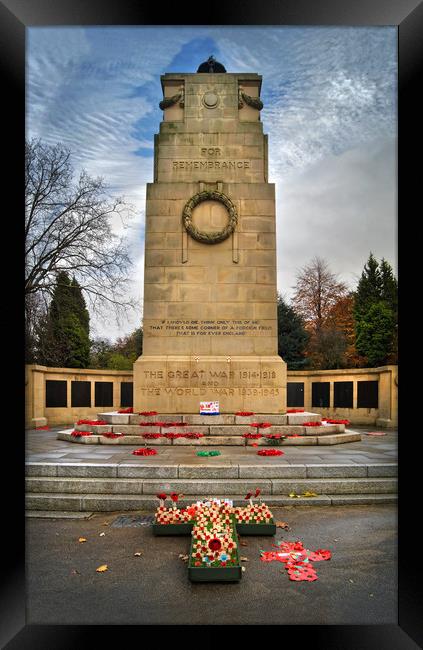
x,y
43,447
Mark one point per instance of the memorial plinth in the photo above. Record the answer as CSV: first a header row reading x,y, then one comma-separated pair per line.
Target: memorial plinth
x,y
210,301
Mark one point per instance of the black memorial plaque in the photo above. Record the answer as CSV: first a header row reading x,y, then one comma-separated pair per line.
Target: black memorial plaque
x,y
320,394
56,393
127,393
295,393
367,394
81,393
103,393
343,394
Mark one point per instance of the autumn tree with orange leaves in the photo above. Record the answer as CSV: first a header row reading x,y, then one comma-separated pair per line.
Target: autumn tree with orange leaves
x,y
318,293
341,318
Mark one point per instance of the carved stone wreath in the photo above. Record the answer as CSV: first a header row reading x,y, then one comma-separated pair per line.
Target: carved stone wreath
x,y
209,237
167,102
254,102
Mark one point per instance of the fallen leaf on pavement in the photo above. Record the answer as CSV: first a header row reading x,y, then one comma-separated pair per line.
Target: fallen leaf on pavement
x,y
102,568
75,572
309,494
138,554
82,539
243,543
244,559
183,557
282,524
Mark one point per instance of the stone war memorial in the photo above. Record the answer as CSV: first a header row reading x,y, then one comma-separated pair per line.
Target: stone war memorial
x,y
210,297
210,324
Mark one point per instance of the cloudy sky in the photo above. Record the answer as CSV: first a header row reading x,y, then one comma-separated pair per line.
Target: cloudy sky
x,y
330,111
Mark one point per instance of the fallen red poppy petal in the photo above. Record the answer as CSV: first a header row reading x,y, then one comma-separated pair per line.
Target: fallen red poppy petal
x,y
376,433
270,452
144,451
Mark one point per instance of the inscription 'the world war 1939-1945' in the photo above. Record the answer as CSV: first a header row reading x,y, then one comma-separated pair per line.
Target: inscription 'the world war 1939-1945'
x,y
209,328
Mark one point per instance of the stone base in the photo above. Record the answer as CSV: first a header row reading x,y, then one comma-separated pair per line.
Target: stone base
x,y
38,422
215,430
177,384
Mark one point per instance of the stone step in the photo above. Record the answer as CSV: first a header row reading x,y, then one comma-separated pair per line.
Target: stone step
x,y
212,430
215,487
329,437
112,417
214,469
56,514
121,503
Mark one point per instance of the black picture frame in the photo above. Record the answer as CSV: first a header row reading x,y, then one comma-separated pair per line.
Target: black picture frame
x,y
15,16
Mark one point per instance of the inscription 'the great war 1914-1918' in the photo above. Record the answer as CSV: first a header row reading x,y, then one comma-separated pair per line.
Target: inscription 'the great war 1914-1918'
x,y
210,374
209,328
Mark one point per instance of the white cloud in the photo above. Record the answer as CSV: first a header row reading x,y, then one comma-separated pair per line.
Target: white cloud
x,y
330,112
341,208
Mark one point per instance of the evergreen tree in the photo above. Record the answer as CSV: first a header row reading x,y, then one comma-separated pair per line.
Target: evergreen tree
x,y
375,333
63,337
376,306
389,288
369,287
80,306
292,337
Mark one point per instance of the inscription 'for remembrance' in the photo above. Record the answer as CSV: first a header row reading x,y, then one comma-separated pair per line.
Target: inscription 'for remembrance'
x,y
211,164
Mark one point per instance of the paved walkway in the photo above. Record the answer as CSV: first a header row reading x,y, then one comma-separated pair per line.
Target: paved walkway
x,y
357,586
43,447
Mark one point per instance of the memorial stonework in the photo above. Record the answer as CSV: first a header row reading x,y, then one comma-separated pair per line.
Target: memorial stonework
x,y
210,301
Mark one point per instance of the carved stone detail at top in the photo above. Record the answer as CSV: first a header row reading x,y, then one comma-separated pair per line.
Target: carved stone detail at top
x,y
254,102
170,101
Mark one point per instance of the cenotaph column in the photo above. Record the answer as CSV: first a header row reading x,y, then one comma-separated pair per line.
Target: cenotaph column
x,y
210,302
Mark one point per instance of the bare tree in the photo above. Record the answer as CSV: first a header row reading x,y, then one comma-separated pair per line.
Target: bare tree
x,y
68,228
317,290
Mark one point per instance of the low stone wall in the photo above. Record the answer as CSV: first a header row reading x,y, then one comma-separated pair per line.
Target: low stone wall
x,y
356,381
40,395
63,395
